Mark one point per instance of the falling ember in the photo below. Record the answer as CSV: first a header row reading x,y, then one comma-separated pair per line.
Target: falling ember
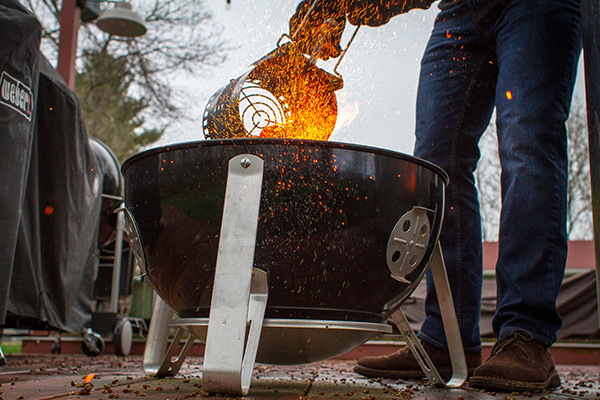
x,y
283,96
509,95
48,210
88,378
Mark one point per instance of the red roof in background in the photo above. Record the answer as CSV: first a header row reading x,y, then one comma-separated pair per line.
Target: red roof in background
x,y
581,254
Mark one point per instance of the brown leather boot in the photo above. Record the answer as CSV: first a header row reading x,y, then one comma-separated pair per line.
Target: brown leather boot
x,y
402,364
518,363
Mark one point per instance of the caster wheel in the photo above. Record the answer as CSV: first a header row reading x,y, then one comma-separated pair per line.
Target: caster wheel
x,y
93,344
123,337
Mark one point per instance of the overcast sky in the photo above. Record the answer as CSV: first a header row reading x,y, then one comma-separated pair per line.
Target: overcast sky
x,y
376,107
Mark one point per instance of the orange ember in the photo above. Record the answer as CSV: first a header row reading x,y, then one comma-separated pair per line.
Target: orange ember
x,y
88,378
284,96
302,95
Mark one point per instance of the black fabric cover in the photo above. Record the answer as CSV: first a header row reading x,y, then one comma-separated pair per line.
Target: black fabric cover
x,y
576,304
19,43
56,256
578,307
112,187
50,187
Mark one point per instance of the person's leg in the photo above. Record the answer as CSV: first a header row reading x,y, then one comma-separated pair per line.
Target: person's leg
x,y
454,105
538,46
538,49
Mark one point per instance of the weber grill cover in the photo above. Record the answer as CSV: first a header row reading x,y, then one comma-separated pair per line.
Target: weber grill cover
x,y
20,35
56,256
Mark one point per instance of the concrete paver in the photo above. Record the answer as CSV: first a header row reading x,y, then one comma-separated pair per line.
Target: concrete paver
x,y
44,377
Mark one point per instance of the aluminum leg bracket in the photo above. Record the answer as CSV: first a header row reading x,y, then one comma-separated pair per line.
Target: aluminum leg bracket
x,y
239,295
158,360
453,338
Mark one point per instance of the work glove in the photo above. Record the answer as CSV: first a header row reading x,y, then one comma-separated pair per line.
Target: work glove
x,y
321,33
379,12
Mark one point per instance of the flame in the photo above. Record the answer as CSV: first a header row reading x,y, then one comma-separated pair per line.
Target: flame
x,y
88,378
312,115
301,103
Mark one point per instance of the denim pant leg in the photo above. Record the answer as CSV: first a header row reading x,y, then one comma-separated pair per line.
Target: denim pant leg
x,y
455,101
538,45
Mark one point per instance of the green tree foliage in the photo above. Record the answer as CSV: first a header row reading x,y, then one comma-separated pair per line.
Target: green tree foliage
x,y
111,115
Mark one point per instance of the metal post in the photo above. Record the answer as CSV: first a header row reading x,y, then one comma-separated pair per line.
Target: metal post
x,y
455,347
231,303
591,55
158,355
116,273
67,46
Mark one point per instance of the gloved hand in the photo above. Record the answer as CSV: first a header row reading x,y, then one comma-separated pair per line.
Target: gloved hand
x,y
321,34
379,12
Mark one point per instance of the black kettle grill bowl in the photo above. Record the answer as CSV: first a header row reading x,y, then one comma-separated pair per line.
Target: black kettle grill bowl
x,y
327,211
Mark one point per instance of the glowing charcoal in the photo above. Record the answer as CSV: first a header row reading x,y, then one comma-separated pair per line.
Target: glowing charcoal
x,y
284,95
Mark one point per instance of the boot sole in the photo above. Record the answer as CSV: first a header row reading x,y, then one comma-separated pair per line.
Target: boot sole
x,y
445,373
508,385
388,373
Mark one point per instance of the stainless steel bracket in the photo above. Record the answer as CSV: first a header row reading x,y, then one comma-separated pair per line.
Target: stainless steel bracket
x,y
239,295
230,354
116,272
410,337
158,360
2,358
453,338
257,305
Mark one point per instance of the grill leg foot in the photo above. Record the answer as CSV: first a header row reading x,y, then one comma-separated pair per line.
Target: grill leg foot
x,y
157,358
455,347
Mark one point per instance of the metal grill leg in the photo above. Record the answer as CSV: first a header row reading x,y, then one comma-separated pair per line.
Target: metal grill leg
x,y
158,360
256,315
2,358
229,355
409,336
455,346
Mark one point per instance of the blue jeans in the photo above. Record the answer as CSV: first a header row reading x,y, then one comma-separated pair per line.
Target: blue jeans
x,y
519,56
